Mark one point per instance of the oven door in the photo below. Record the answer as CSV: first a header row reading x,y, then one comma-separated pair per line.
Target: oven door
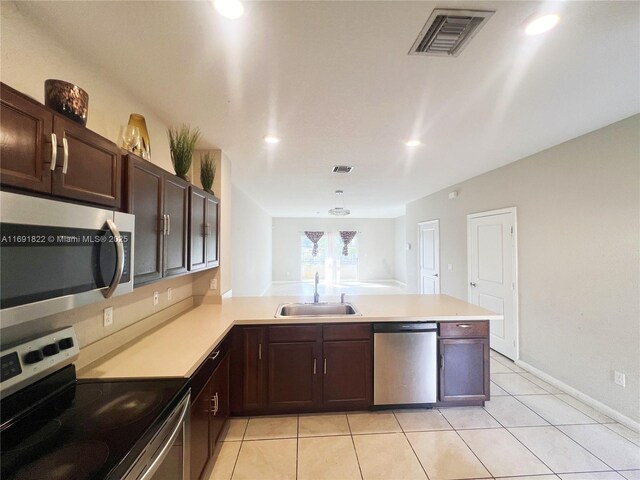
x,y
55,256
166,457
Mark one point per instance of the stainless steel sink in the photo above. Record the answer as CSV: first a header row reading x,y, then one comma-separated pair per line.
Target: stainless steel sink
x,y
316,310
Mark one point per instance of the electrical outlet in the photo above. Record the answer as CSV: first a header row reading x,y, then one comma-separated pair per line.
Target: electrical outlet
x,y
156,298
169,293
213,284
619,378
107,316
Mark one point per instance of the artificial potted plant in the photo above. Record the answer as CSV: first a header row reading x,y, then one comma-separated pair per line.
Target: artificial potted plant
x,y
182,142
207,172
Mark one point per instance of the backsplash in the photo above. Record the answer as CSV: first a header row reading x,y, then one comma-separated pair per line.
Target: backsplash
x,y
88,321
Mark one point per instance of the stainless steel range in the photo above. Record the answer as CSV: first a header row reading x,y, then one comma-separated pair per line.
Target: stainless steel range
x,y
55,427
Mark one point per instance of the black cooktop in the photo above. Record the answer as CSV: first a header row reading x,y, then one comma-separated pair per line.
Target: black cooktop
x,y
86,430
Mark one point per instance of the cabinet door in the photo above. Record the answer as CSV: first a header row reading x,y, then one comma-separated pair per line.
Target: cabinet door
x,y
464,369
197,228
25,146
347,374
294,378
92,171
220,398
176,207
212,259
253,369
144,200
199,431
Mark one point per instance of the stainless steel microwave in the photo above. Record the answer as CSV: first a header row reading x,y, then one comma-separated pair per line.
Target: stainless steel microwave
x,y
55,256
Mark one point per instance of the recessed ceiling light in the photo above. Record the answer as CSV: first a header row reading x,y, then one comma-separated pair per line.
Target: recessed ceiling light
x,y
541,24
229,8
412,143
271,139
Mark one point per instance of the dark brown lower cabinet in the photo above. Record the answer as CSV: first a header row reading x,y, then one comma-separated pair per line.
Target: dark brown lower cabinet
x,y
464,363
301,368
209,411
347,374
294,377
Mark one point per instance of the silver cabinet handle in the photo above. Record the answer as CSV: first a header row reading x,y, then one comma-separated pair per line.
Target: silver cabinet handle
x,y
325,366
472,284
119,260
441,361
65,155
259,351
168,224
54,151
164,224
463,325
215,404
314,366
215,355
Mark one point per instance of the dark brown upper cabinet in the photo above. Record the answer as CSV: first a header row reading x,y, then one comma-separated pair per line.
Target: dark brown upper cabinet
x,y
160,202
203,229
47,153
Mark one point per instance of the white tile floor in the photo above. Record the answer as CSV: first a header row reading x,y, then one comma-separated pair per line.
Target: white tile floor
x,y
527,431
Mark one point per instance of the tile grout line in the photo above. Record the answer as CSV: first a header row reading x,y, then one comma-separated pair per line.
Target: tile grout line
x,y
410,445
235,464
353,442
297,443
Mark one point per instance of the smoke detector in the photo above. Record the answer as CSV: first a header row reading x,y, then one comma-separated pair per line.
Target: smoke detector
x,y
448,31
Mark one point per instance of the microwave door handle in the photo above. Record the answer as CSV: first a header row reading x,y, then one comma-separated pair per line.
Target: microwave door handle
x,y
119,260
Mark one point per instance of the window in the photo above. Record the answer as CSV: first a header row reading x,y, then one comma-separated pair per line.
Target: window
x,y
331,265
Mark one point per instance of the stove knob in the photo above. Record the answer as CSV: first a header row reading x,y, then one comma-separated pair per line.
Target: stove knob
x,y
66,343
50,349
34,356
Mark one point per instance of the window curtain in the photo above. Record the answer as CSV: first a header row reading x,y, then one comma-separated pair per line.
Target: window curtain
x,y
346,240
314,237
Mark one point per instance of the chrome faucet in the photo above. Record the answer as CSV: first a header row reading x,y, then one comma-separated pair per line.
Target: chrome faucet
x,y
342,297
316,296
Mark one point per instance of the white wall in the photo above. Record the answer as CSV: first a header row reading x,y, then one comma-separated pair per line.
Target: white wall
x,y
400,265
30,56
251,229
375,242
578,236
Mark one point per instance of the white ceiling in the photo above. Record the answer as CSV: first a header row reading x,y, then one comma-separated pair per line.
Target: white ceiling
x,y
334,81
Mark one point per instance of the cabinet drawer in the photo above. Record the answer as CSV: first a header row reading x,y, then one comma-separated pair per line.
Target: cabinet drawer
x,y
297,333
352,331
464,329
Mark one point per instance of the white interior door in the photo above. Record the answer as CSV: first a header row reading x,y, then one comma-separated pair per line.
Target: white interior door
x,y
492,273
429,257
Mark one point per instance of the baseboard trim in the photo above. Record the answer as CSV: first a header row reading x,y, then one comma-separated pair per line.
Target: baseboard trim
x,y
583,397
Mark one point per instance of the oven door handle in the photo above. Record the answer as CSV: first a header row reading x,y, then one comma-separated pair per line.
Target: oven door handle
x,y
164,451
119,260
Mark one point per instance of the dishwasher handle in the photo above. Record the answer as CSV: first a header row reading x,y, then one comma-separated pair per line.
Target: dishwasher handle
x,y
406,327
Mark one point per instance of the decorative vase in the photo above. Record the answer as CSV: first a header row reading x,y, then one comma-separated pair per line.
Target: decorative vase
x,y
144,149
67,99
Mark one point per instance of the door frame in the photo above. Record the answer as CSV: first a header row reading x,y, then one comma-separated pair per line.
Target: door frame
x,y
436,222
488,213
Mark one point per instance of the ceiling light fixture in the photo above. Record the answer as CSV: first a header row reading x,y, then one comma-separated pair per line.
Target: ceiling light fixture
x,y
412,143
339,210
271,139
541,24
229,8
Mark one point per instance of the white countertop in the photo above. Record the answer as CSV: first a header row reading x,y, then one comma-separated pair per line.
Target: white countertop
x,y
178,347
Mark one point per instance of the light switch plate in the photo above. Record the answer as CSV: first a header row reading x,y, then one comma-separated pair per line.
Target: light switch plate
x,y
213,284
107,316
156,298
169,293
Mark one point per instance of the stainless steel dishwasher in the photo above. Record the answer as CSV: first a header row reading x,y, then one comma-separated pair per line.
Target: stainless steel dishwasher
x,y
405,363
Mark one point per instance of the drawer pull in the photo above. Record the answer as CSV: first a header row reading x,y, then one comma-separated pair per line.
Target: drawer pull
x,y
259,351
325,366
215,355
463,325
314,366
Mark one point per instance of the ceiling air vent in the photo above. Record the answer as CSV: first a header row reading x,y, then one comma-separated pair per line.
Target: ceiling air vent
x,y
447,32
341,169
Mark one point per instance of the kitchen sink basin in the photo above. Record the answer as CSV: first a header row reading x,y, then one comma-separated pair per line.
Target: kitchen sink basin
x,y
316,310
